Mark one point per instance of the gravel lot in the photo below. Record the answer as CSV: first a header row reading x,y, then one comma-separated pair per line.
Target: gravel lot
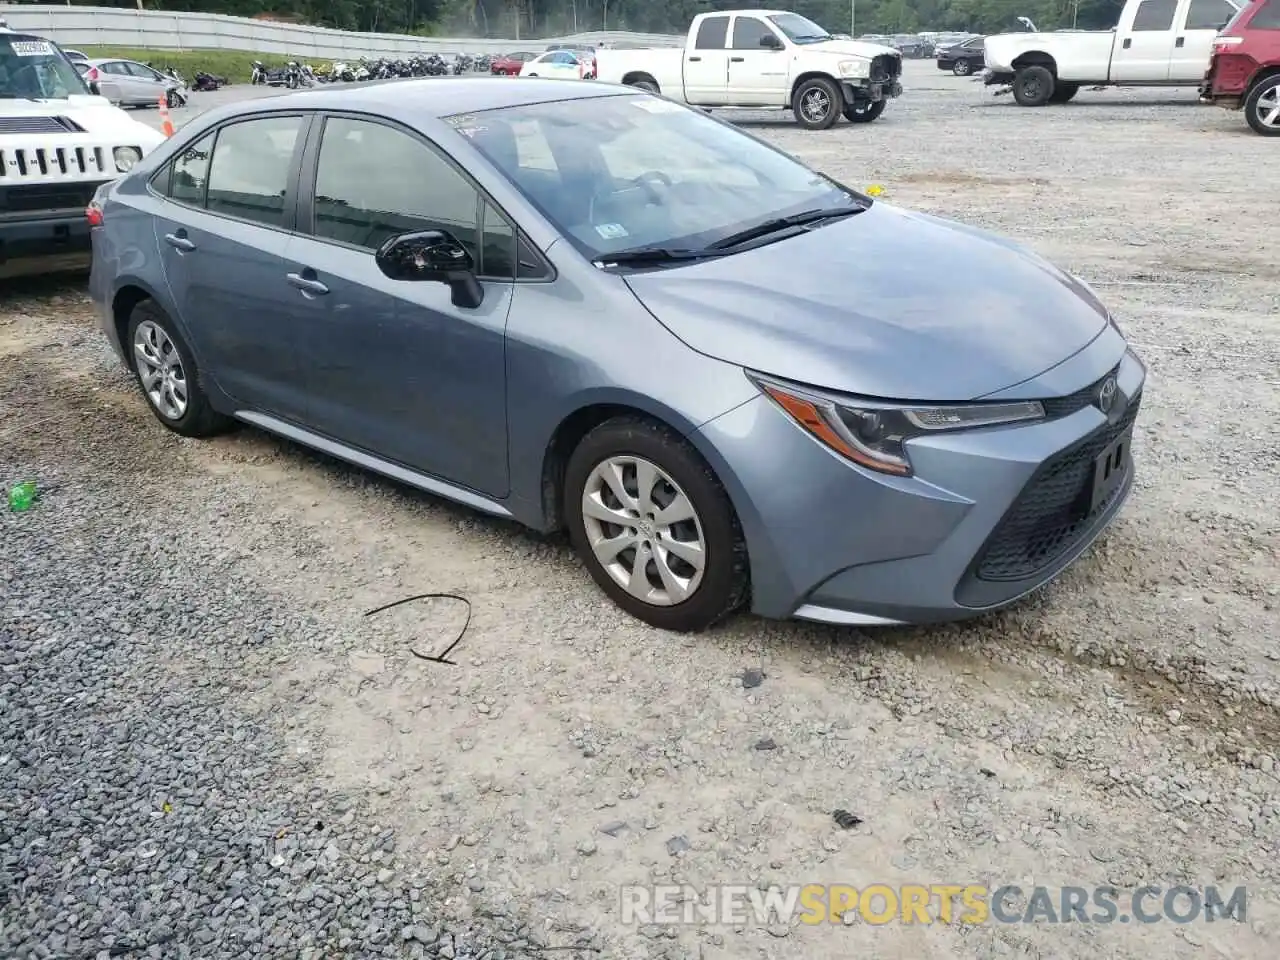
x,y
207,750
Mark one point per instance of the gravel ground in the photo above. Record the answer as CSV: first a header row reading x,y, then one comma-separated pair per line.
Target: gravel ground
x,y
207,750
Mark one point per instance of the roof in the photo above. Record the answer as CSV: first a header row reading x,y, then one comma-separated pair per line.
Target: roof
x,y
429,96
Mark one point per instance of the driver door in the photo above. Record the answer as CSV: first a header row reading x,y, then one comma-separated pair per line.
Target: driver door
x,y
758,77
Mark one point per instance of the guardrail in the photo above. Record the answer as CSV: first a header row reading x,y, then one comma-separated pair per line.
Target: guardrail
x,y
152,30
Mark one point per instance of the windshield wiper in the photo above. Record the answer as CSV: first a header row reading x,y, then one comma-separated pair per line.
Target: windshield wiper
x,y
783,223
653,255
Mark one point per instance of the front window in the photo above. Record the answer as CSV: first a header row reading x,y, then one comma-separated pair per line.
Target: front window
x,y
799,29
626,172
34,69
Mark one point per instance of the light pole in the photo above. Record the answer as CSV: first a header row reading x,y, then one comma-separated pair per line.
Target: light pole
x,y
853,18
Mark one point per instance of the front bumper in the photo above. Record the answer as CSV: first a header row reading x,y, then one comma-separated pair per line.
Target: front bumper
x,y
43,242
990,516
873,90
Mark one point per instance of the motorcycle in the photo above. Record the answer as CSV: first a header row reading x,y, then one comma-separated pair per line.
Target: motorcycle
x,y
207,82
289,75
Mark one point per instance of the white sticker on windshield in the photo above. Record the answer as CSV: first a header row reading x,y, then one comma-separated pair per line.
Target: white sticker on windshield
x,y
611,231
31,48
656,105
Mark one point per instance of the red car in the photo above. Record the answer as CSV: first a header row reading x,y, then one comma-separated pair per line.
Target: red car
x,y
1244,69
509,64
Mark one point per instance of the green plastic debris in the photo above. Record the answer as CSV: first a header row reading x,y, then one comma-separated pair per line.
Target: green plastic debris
x,y
22,496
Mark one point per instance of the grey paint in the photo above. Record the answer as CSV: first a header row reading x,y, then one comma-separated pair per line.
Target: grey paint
x,y
465,403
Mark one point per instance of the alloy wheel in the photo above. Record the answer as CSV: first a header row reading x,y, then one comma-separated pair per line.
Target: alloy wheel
x,y
1267,108
644,530
816,105
159,366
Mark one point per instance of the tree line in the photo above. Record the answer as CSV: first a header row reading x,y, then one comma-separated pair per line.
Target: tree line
x,y
541,18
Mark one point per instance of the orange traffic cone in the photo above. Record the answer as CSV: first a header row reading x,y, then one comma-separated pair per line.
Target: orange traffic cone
x,y
166,125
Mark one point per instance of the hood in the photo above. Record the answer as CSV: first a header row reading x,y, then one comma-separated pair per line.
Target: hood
x,y
850,48
96,115
886,303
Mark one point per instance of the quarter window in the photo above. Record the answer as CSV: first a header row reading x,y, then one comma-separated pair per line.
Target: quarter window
x,y
190,173
251,167
1155,15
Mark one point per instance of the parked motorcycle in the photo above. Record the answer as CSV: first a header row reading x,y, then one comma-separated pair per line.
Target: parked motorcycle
x,y
290,75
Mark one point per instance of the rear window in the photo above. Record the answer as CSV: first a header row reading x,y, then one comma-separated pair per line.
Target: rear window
x,y
1267,17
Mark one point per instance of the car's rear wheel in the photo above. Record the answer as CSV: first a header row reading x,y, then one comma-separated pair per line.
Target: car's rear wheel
x,y
864,111
1033,86
654,526
166,373
818,104
648,86
962,68
1262,107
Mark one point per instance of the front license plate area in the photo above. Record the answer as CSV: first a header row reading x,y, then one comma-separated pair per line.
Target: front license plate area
x,y
1110,469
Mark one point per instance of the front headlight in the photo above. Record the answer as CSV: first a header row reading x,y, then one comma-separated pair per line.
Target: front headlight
x,y
874,434
126,157
854,69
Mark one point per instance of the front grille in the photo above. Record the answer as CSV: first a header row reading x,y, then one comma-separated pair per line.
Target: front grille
x,y
1052,512
1085,396
10,125
887,66
47,196
17,163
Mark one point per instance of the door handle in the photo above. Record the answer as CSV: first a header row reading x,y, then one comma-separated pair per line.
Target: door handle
x,y
1128,42
737,59
1180,41
314,287
179,242
695,59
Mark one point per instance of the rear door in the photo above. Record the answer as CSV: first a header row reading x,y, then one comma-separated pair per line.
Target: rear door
x,y
757,76
1143,41
131,91
1200,22
706,66
222,237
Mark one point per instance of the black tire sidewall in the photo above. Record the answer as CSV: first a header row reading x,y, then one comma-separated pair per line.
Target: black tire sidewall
x,y
723,585
1045,79
837,104
1251,106
199,416
873,113
648,86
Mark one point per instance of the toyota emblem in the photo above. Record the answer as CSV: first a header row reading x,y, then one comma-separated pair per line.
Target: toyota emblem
x,y
1107,395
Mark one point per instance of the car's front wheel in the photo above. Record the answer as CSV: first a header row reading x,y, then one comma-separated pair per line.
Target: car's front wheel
x,y
166,372
654,526
818,104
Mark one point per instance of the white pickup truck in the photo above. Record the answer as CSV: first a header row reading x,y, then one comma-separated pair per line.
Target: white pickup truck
x,y
1157,43
764,59
58,142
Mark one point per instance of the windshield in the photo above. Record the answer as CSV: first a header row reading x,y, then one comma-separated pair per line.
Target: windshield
x,y
798,29
619,173
33,68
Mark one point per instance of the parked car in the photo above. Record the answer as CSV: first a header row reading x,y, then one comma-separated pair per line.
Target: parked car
x,y
139,84
1158,43
585,307
1244,71
509,64
59,141
562,64
762,59
73,55
962,58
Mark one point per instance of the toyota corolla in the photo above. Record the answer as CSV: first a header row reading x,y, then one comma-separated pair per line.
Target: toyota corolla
x,y
734,380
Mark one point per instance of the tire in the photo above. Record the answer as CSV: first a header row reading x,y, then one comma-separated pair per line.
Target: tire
x,y
962,68
151,326
171,99
811,93
723,583
864,111
1259,104
1063,92
1033,86
648,86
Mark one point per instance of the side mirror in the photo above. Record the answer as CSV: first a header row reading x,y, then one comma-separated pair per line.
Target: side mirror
x,y
432,255
770,42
